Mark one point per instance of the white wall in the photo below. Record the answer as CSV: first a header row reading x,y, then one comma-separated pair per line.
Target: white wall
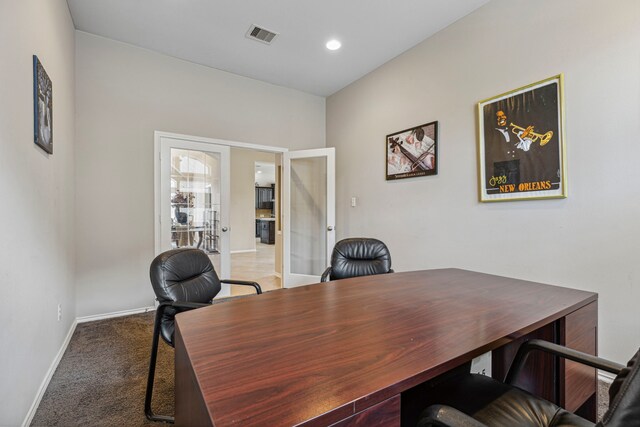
x,y
37,215
243,196
124,93
591,240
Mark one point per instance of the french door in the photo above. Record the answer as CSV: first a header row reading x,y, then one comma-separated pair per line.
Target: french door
x,y
194,200
192,203
309,214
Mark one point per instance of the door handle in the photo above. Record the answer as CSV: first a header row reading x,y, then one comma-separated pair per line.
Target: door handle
x,y
225,229
330,228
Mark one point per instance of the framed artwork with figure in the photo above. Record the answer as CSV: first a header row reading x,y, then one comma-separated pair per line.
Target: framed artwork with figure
x,y
412,152
42,107
521,148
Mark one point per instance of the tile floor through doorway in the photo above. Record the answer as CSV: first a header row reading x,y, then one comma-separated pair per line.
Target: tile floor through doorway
x,y
258,266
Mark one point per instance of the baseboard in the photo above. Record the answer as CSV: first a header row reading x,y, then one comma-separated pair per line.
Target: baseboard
x,y
47,378
121,313
242,251
606,377
54,365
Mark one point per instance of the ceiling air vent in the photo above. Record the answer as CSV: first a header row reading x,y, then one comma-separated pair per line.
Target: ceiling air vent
x,y
261,34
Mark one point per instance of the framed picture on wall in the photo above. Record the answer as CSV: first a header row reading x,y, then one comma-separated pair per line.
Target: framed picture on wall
x,y
521,153
42,107
413,152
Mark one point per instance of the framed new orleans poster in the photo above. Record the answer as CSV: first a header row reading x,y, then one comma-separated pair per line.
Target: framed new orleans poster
x,y
521,152
413,152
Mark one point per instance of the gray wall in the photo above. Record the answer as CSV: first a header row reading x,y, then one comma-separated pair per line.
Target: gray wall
x,y
124,94
590,240
37,251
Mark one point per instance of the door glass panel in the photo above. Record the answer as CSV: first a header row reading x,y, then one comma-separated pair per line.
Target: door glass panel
x,y
308,215
195,201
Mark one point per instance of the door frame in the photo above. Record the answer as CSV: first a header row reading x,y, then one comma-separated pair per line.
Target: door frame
x,y
157,135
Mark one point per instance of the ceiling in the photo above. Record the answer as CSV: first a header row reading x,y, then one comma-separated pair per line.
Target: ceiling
x,y
265,173
212,33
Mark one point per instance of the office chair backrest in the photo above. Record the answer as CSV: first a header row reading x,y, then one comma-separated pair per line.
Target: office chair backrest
x,y
624,397
359,256
185,275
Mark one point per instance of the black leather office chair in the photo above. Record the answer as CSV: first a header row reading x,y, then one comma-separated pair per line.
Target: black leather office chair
x,y
477,400
183,279
358,256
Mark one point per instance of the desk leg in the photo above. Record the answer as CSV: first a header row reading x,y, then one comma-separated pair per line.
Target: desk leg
x,y
578,385
567,384
540,373
190,407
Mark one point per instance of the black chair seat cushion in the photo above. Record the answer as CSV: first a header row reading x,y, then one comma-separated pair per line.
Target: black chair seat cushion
x,y
499,405
359,257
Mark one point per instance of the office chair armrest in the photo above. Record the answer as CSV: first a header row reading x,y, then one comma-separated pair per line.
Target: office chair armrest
x,y
188,305
179,305
442,415
325,275
561,351
243,283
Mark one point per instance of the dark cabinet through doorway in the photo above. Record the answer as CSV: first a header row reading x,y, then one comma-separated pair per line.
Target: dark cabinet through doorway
x,y
264,198
267,231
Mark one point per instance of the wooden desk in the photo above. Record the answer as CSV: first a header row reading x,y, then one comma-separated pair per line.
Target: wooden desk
x,y
343,352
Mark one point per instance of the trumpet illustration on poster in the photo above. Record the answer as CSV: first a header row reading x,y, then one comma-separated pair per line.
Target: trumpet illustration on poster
x,y
529,133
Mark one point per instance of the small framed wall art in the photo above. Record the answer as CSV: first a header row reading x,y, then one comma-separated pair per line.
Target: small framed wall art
x,y
521,153
412,152
42,107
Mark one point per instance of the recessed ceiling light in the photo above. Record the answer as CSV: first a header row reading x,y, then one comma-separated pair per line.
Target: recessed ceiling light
x,y
333,44
259,171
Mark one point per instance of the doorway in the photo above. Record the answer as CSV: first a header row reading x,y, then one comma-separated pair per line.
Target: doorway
x,y
256,238
196,206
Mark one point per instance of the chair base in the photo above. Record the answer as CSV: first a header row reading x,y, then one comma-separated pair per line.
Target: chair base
x,y
160,418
